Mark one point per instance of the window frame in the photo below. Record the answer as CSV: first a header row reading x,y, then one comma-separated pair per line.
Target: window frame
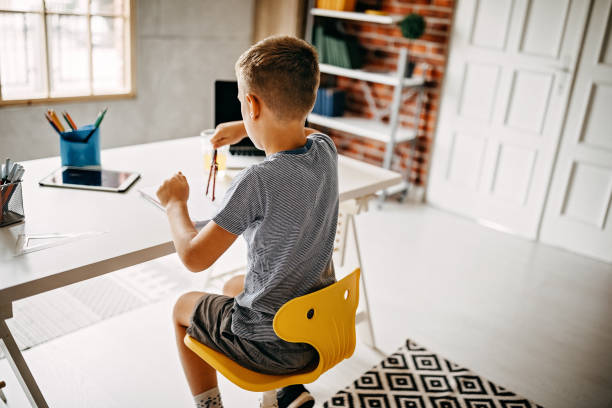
x,y
131,93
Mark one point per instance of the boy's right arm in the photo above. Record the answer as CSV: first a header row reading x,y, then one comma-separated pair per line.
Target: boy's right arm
x,y
228,133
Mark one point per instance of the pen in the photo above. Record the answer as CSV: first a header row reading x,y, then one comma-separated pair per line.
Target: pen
x,y
11,175
6,170
69,120
18,174
9,179
8,193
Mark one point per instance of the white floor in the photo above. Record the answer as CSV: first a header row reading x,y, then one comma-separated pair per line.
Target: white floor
x,y
535,319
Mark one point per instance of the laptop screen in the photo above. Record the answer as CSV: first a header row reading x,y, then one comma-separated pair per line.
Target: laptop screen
x,y
227,109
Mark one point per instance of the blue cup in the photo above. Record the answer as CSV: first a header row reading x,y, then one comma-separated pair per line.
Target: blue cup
x,y
80,147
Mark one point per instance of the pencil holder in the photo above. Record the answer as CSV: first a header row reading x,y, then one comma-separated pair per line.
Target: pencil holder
x,y
11,204
80,147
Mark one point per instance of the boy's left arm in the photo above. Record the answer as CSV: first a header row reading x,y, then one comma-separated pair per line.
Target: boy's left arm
x,y
200,250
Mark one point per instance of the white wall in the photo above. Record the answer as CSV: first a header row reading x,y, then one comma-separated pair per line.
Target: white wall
x,y
181,48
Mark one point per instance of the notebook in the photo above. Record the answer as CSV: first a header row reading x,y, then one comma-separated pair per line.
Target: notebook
x,y
201,208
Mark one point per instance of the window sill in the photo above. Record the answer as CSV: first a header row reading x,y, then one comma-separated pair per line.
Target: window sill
x,y
87,98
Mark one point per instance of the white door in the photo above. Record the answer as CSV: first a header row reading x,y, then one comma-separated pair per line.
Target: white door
x,y
577,214
505,94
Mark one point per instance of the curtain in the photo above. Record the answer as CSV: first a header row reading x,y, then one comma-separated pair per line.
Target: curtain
x,y
279,17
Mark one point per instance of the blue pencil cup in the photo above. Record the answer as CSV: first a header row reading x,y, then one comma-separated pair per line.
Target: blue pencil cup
x,y
80,147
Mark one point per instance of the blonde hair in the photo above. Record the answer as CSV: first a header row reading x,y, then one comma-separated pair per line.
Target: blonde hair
x,y
284,72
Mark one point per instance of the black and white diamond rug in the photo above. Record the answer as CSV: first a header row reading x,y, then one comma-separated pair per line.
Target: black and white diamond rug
x,y
414,377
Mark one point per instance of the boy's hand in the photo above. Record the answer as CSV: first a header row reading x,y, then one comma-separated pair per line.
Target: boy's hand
x,y
175,188
228,133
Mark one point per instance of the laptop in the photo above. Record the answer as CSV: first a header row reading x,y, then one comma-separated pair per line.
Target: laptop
x,y
227,108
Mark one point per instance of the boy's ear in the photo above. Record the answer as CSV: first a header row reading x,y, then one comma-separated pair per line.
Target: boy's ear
x,y
254,104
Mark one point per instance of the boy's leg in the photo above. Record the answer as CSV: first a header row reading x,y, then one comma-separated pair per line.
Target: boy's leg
x,y
200,376
234,286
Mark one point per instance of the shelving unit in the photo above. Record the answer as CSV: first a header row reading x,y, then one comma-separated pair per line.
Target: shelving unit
x,y
363,127
351,15
387,78
390,133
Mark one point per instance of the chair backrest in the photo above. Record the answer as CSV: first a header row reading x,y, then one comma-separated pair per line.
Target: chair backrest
x,y
325,319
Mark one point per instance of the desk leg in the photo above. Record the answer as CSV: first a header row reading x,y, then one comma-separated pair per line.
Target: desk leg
x,y
370,340
18,363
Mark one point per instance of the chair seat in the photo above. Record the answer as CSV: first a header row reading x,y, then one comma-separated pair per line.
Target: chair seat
x,y
325,319
243,377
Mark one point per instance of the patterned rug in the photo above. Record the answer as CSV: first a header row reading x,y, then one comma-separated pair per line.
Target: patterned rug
x,y
414,377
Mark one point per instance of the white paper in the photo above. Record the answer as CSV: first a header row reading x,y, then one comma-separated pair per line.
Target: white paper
x,y
201,208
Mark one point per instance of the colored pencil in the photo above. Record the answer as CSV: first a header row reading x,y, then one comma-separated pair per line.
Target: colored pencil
x,y
56,120
100,117
69,120
51,122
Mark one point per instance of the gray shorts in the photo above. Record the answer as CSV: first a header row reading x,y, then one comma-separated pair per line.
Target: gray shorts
x,y
211,325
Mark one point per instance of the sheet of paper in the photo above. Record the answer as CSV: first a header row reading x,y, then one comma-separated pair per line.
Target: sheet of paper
x,y
201,208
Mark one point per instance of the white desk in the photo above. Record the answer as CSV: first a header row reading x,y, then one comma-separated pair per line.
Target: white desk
x,y
135,231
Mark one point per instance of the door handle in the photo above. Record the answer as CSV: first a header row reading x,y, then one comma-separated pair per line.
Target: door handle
x,y
564,66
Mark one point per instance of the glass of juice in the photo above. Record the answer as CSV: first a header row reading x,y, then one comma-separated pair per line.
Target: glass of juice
x,y
207,152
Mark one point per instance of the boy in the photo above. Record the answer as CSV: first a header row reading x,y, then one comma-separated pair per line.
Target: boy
x,y
286,207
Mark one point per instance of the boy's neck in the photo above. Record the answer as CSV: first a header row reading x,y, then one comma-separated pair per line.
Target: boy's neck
x,y
279,137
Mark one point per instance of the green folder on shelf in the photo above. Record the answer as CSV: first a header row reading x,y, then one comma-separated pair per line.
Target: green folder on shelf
x,y
319,43
337,49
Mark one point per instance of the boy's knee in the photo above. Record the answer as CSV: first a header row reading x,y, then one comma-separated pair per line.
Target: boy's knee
x,y
183,308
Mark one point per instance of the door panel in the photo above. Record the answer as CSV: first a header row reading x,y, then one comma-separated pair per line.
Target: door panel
x,y
510,68
544,27
588,194
529,100
577,215
491,24
478,94
465,160
513,173
597,120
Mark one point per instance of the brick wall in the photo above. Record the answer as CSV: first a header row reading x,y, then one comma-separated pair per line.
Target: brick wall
x,y
382,44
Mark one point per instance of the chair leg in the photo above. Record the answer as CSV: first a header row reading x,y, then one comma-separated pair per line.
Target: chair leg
x,y
268,399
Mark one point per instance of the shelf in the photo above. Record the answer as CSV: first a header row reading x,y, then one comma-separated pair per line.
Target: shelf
x,y
388,78
364,127
351,15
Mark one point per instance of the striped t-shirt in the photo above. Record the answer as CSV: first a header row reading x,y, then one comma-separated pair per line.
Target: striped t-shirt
x,y
286,208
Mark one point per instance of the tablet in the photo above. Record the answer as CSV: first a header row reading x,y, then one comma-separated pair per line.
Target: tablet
x,y
90,179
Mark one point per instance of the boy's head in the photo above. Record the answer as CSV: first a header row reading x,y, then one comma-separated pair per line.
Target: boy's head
x,y
283,72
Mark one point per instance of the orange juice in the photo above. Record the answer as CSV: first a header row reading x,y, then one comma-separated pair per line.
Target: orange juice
x,y
207,152
221,159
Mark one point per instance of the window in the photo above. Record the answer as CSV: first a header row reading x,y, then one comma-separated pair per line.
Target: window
x,y
64,50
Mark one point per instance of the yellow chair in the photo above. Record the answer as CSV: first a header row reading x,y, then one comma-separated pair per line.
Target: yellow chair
x,y
325,319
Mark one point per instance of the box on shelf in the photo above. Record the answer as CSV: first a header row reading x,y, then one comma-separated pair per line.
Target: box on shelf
x,y
340,5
